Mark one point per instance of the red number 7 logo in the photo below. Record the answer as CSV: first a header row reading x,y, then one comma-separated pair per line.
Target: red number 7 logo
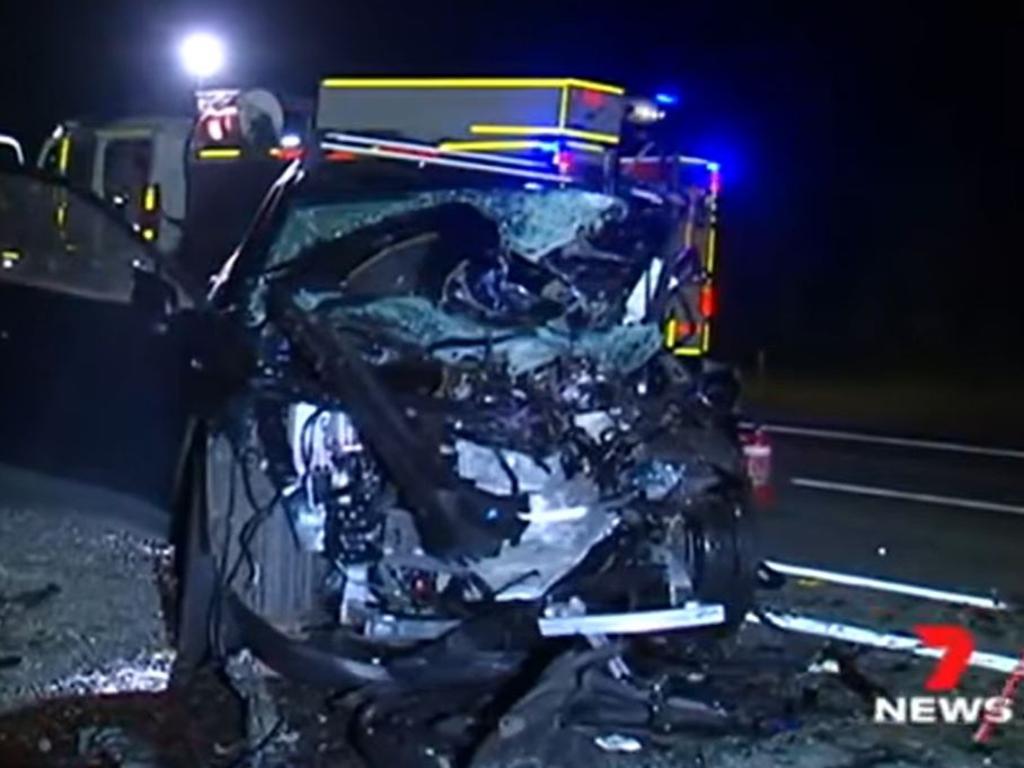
x,y
958,644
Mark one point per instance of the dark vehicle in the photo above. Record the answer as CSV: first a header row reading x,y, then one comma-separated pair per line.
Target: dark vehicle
x,y
93,410
11,155
412,435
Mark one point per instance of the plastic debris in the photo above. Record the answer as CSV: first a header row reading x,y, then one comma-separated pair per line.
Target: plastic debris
x,y
617,742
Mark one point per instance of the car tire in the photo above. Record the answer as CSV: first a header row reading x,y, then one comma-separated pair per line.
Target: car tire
x,y
728,572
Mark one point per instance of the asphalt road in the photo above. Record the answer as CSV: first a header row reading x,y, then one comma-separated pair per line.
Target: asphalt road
x,y
949,517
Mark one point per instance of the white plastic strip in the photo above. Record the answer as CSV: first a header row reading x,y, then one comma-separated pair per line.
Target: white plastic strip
x,y
650,197
882,585
444,161
684,159
924,498
634,622
903,442
889,642
488,157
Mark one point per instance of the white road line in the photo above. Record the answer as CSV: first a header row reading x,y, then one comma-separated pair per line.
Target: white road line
x,y
863,636
904,442
882,585
924,498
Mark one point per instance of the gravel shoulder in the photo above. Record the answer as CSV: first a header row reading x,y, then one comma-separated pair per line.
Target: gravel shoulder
x,y
86,656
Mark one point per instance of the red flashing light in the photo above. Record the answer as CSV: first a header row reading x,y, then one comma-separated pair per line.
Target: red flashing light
x,y
340,156
707,301
593,99
287,153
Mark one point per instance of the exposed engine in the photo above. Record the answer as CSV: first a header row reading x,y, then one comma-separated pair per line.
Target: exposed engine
x,y
481,425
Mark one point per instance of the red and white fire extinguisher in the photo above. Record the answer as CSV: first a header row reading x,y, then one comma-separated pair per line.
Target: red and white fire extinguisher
x,y
757,455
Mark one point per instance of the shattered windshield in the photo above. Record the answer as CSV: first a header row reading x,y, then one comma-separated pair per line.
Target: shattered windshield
x,y
527,274
532,224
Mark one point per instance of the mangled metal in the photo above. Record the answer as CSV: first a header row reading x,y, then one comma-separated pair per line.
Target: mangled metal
x,y
482,424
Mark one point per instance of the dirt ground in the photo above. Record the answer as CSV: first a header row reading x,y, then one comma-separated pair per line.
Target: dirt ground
x,y
85,663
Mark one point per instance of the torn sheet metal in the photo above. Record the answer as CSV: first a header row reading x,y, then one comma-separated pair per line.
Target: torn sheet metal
x,y
486,468
552,544
634,622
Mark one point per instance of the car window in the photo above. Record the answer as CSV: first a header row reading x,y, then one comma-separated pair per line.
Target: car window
x,y
81,160
71,157
53,238
126,170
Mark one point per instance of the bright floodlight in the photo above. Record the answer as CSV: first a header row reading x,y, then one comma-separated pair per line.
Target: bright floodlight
x,y
202,54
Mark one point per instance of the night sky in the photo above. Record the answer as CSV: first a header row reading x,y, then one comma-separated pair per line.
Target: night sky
x,y
871,155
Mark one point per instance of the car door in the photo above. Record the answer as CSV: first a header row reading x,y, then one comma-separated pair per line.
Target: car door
x,y
92,404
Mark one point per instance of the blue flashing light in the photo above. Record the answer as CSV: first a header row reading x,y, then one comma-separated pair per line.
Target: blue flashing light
x,y
668,99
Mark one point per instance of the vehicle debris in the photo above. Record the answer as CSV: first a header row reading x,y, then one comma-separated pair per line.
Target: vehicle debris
x,y
532,394
616,742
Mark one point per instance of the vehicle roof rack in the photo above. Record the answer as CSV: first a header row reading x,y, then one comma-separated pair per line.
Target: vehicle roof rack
x,y
565,128
346,147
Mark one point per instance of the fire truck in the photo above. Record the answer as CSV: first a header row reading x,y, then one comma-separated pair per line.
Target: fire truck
x,y
134,164
146,166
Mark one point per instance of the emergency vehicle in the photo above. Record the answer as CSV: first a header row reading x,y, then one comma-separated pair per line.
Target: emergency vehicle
x,y
135,164
198,181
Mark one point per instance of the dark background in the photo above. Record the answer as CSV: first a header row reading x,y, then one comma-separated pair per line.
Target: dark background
x,y
871,154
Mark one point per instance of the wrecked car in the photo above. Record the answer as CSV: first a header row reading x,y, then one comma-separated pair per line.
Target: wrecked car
x,y
452,444
412,435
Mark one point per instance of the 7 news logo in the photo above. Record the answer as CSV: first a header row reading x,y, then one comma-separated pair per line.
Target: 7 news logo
x,y
958,645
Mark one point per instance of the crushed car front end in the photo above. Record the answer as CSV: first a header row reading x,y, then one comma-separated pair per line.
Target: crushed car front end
x,y
457,443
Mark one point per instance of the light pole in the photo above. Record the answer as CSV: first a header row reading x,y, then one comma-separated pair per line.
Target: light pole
x,y
202,55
